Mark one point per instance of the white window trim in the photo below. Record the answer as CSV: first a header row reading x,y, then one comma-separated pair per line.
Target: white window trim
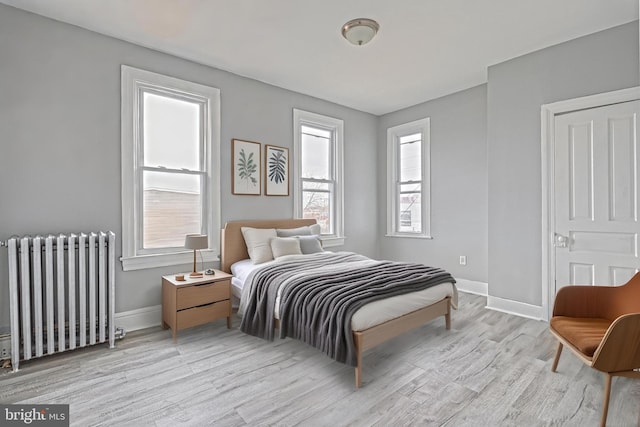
x,y
336,126
393,135
133,80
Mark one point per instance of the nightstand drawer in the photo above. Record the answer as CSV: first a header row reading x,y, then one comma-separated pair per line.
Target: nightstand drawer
x,y
203,314
192,296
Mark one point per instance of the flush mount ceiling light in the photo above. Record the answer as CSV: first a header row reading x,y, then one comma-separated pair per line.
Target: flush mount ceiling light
x,y
360,31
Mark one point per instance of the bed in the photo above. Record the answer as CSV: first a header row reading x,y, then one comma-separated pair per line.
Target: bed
x,y
369,333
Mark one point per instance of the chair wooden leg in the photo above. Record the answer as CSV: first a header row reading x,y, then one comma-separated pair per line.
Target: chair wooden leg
x,y
447,320
607,393
557,358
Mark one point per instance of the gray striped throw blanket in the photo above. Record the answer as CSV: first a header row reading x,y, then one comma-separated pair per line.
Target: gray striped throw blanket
x,y
320,293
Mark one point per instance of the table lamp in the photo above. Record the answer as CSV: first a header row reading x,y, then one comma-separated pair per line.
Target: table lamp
x,y
196,242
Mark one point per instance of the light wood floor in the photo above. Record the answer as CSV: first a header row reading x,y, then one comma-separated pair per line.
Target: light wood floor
x,y
491,369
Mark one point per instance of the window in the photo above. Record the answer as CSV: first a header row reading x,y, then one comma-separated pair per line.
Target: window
x,y
408,189
170,168
317,152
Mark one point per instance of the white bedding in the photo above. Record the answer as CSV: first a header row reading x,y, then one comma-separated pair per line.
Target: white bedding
x,y
371,314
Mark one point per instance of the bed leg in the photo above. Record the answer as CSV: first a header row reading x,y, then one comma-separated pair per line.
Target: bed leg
x,y
358,369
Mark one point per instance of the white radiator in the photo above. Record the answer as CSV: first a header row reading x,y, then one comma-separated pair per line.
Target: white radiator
x,y
62,293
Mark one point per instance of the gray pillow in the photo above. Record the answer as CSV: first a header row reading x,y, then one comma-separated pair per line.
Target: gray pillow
x,y
305,230
291,232
310,244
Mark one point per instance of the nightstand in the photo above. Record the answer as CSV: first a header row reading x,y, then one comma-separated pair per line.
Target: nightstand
x,y
195,301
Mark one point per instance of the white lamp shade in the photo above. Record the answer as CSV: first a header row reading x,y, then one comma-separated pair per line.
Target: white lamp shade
x,y
196,241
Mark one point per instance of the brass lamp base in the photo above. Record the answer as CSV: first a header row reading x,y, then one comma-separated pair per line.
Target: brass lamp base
x,y
194,273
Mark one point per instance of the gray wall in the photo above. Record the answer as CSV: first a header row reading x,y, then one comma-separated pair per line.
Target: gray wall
x,y
60,141
60,149
486,160
600,62
458,185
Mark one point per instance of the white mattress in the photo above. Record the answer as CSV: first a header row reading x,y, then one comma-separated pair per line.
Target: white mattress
x,y
371,314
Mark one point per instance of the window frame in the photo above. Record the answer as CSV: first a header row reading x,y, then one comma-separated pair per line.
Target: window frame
x,y
422,126
135,82
336,127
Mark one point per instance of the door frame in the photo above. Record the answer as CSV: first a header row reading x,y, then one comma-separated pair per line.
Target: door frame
x,y
548,113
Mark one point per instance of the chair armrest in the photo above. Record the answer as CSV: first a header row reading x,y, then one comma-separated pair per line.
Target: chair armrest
x,y
583,301
620,347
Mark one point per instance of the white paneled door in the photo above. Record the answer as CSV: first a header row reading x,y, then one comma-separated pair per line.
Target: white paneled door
x,y
596,195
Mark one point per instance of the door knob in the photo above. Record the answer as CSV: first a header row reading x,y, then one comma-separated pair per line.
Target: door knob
x,y
561,241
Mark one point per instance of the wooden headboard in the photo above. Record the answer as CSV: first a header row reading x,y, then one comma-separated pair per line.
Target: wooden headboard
x,y
232,244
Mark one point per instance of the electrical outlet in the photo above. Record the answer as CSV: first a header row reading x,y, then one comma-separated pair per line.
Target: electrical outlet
x,y
5,347
463,260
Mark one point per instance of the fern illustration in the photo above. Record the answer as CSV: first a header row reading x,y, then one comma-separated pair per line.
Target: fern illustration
x,y
277,163
246,168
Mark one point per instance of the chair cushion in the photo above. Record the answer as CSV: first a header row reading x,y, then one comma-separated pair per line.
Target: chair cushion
x,y
583,333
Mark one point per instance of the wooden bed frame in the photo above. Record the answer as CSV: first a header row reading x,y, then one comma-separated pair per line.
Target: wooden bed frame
x,y
233,249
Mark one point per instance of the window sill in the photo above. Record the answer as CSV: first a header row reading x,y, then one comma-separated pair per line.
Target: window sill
x,y
142,262
410,236
330,241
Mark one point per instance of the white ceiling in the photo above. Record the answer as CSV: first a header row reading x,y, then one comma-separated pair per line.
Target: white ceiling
x,y
424,49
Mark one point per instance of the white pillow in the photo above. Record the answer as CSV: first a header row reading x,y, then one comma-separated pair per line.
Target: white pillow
x,y
281,246
258,243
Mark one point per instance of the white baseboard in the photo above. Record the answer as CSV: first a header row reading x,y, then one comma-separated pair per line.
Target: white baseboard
x,y
130,321
515,307
472,287
140,318
5,346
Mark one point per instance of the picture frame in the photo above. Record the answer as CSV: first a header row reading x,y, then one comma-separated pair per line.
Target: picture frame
x,y
245,167
276,170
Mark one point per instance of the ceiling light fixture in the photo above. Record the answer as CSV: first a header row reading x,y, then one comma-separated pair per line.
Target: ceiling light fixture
x,y
360,31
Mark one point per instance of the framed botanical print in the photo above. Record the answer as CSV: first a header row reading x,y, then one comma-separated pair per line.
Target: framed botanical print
x,y
276,175
245,167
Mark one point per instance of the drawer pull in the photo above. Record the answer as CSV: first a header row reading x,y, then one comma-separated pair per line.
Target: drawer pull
x,y
204,305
